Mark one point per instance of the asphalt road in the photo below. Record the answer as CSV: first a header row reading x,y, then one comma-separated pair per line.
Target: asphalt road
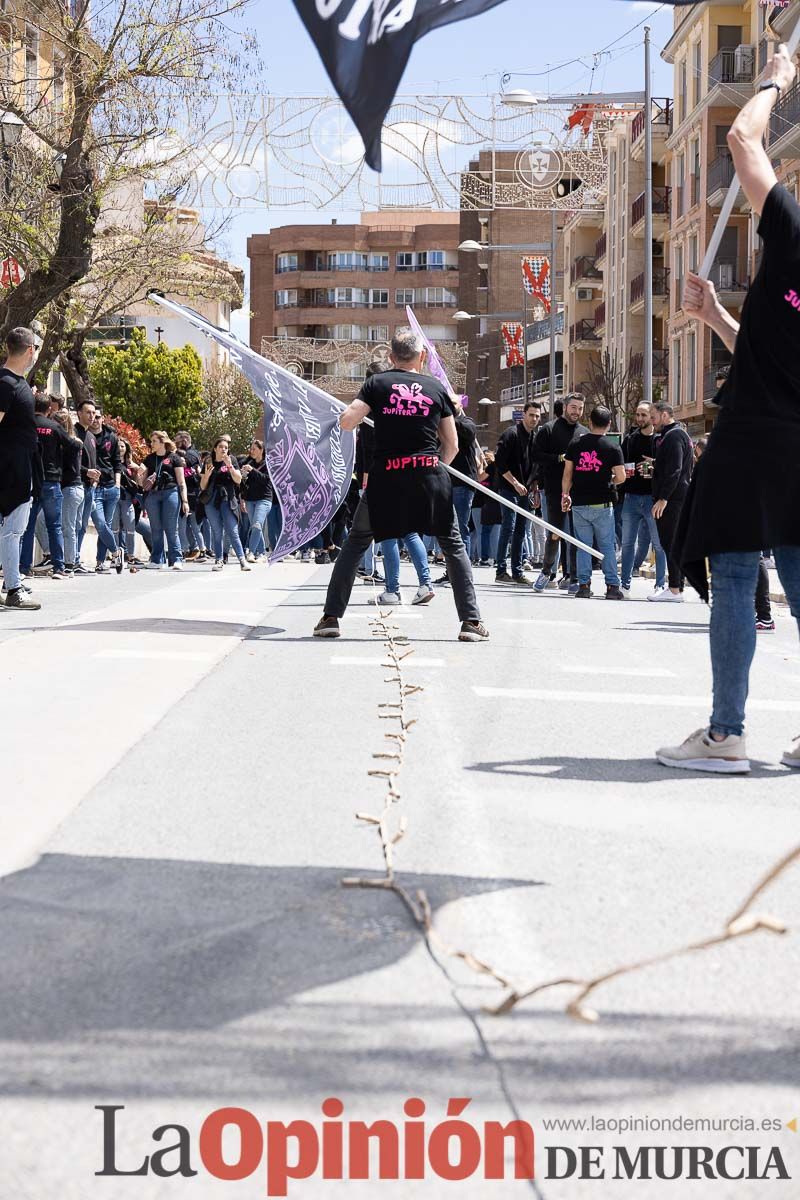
x,y
181,767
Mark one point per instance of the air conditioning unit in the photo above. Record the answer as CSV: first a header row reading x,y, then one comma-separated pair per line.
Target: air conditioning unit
x,y
744,63
585,293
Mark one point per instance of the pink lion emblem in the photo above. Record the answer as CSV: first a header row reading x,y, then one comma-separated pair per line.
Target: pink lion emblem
x,y
589,461
408,400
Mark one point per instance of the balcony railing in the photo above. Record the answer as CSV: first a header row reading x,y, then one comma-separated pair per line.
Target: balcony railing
x,y
661,202
662,120
583,331
660,284
786,115
713,379
660,364
536,388
721,172
600,315
584,267
723,67
600,247
729,275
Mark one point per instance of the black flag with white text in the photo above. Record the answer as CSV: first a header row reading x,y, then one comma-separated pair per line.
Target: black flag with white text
x,y
365,46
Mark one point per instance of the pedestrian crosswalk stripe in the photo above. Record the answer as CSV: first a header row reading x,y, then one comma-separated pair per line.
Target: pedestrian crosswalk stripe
x,y
632,672
652,699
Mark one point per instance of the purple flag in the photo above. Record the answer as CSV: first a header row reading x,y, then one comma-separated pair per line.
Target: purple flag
x,y
435,364
309,458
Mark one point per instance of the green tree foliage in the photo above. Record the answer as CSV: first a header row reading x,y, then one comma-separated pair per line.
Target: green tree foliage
x,y
150,386
229,406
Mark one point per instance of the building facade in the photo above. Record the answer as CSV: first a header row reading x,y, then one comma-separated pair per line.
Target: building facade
x,y
718,52
351,283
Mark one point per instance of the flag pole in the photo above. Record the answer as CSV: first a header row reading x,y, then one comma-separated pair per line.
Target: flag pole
x,y
227,338
733,190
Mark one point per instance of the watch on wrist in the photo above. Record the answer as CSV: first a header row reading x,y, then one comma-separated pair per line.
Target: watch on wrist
x,y
765,87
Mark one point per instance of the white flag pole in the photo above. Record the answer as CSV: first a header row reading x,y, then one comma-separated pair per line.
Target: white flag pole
x,y
733,190
233,343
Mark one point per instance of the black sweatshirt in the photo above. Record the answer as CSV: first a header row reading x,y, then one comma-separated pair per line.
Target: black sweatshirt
x,y
89,456
673,467
109,459
71,463
635,448
514,454
53,442
551,442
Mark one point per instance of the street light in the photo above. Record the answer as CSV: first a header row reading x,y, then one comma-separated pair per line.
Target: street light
x,y
520,98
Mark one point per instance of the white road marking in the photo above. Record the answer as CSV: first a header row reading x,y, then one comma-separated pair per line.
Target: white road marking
x,y
371,615
633,672
236,616
537,621
643,698
343,660
158,655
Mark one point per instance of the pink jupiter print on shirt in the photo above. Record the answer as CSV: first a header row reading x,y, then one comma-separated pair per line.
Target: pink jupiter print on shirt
x,y
408,400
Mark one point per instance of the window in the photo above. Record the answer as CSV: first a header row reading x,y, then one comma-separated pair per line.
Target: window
x,y
697,73
435,260
31,82
378,333
379,262
345,297
405,261
729,37
404,296
286,298
347,260
691,365
286,262
434,297
377,297
693,248
682,92
696,171
680,181
678,277
421,260
676,373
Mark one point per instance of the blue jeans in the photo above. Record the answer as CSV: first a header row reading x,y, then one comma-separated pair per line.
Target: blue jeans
x,y
224,520
588,521
71,507
83,517
106,499
391,560
163,509
733,629
12,528
190,535
512,530
257,511
49,502
274,524
462,503
637,510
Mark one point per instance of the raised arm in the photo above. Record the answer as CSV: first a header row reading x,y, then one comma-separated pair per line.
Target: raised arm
x,y
746,135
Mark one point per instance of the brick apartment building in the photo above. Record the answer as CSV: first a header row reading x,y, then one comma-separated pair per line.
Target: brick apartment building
x,y
491,282
352,283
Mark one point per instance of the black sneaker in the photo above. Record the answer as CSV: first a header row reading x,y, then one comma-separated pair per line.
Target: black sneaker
x,y
442,581
522,581
322,558
80,569
375,577
119,560
765,626
584,592
327,627
614,593
503,577
18,599
473,631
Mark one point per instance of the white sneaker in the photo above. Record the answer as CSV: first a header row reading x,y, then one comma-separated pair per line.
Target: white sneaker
x,y
385,599
218,565
665,596
626,592
701,753
792,757
423,594
176,566
153,566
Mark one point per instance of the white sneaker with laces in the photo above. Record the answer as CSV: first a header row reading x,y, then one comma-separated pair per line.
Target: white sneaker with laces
x,y
701,753
792,757
626,592
386,599
665,596
423,594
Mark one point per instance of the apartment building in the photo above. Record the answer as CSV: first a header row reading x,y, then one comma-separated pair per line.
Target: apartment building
x,y
718,52
491,281
351,283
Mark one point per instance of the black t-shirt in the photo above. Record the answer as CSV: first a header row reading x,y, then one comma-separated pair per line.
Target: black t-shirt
x,y
406,408
53,441
222,486
191,471
764,380
71,462
256,484
164,467
466,460
636,447
18,427
593,456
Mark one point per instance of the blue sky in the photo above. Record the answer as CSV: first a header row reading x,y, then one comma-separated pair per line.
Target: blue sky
x,y
532,40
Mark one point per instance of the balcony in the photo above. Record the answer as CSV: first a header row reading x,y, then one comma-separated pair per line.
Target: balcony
x,y
661,124
730,280
720,177
784,125
584,272
600,248
730,77
583,334
713,379
660,364
536,389
660,292
661,207
600,317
